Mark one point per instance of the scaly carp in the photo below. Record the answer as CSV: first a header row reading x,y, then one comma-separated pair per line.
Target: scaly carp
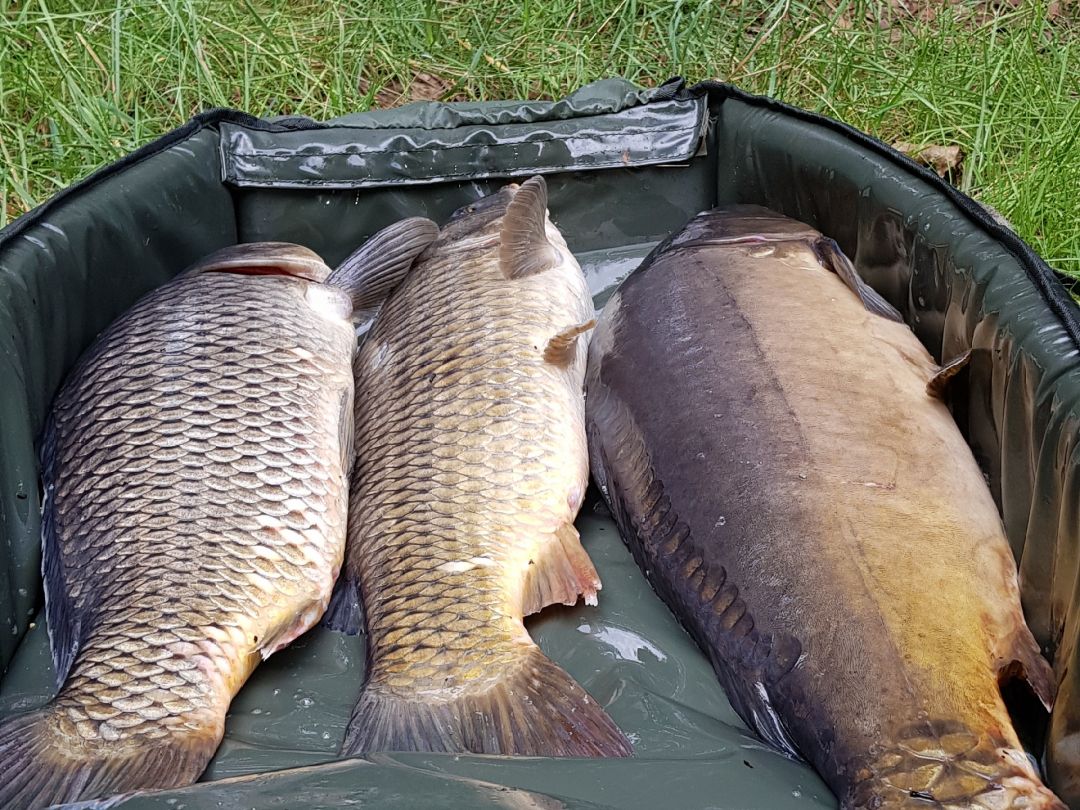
x,y
195,469
471,466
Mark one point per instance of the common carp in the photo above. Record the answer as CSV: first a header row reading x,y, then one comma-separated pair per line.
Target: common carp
x,y
471,466
769,437
195,468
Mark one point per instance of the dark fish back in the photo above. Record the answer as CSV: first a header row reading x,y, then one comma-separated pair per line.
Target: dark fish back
x,y
661,482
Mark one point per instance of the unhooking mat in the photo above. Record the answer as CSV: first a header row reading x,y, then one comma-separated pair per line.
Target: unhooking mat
x,y
625,167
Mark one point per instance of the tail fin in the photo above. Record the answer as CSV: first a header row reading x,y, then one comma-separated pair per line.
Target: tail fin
x,y
42,763
537,710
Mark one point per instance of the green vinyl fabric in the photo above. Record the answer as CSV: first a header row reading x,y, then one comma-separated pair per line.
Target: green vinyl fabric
x,y
625,166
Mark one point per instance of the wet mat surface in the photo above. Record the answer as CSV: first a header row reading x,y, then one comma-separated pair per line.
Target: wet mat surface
x,y
691,750
629,653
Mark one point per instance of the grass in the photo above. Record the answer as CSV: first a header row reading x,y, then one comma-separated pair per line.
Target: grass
x,y
84,82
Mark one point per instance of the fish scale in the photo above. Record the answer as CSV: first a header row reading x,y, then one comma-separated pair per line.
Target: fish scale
x,y
78,424
195,480
471,461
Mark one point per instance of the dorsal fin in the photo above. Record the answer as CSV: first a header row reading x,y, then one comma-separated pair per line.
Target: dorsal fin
x,y
832,257
524,248
372,271
939,383
264,259
560,349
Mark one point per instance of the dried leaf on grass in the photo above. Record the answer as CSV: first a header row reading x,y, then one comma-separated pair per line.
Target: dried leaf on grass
x,y
947,161
422,87
974,13
426,87
13,209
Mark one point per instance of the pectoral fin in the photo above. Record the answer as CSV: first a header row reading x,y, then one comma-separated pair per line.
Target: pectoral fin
x,y
939,383
346,431
560,349
62,618
1022,661
373,270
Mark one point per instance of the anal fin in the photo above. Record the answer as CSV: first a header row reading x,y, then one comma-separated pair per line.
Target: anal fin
x,y
345,612
560,574
294,622
560,349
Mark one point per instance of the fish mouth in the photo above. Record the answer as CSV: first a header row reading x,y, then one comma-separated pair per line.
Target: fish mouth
x,y
256,270
479,215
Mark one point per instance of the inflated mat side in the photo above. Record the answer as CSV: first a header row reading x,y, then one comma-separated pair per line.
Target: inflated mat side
x,y
960,285
609,124
594,210
622,163
67,269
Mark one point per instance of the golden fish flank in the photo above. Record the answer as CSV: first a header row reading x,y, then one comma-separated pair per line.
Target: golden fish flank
x,y
195,468
471,466
813,514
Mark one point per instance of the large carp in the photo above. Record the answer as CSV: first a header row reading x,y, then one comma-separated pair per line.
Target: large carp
x,y
471,465
195,469
761,426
